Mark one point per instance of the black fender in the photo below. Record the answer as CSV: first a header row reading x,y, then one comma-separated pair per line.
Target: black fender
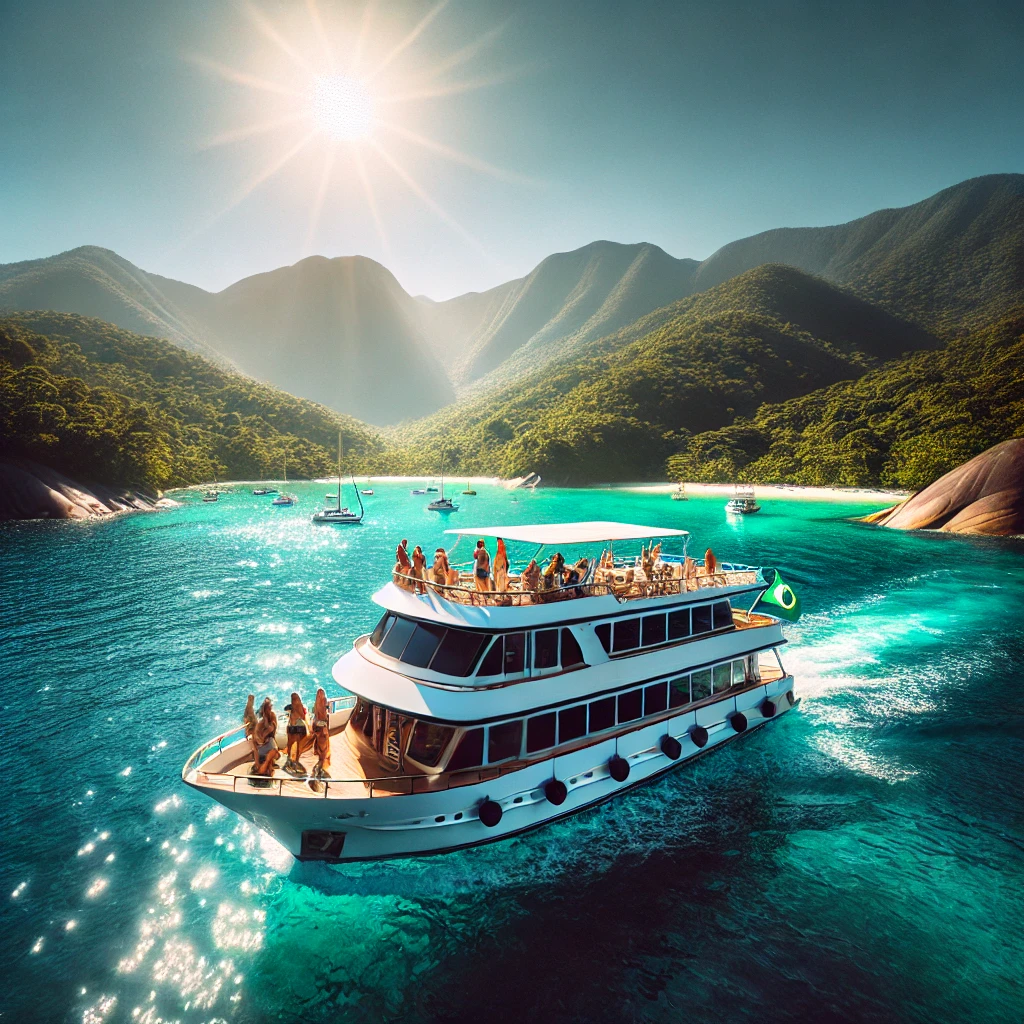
x,y
671,747
618,768
698,734
768,708
738,721
555,791
489,813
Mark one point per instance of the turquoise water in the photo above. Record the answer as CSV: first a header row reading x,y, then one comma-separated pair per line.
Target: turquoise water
x,y
860,859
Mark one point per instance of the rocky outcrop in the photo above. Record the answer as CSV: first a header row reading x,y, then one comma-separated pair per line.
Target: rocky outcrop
x,y
29,490
984,496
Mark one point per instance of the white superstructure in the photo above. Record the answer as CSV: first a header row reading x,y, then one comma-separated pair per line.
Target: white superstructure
x,y
480,714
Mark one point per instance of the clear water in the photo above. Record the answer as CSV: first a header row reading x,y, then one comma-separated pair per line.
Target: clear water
x,y
860,859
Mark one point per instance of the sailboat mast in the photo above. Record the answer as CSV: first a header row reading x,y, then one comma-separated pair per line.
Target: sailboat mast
x,y
442,472
339,470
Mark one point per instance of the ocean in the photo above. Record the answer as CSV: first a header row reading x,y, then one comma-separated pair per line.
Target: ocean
x,y
861,859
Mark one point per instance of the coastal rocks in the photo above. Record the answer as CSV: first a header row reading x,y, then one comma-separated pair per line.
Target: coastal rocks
x,y
984,496
29,490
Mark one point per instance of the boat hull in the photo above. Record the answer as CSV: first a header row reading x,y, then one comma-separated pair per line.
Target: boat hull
x,y
360,827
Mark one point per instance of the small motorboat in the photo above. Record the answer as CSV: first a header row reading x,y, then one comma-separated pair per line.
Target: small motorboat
x,y
284,499
468,490
261,491
418,490
742,502
210,496
368,490
432,490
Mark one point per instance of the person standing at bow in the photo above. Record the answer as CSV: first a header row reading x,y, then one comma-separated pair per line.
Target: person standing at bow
x,y
501,567
482,567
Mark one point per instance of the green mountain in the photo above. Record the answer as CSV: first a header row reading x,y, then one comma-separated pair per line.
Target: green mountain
x,y
105,405
902,425
616,408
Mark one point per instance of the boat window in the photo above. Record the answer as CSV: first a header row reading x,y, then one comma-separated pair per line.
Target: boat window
x,y
504,741
602,714
604,634
428,743
653,630
755,668
398,636
679,692
545,648
571,653
381,628
655,698
630,705
702,619
722,677
493,659
361,715
723,615
739,673
626,635
679,623
700,684
420,648
470,751
540,732
572,723
515,653
458,652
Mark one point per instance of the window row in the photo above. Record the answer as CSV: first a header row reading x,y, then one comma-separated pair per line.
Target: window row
x,y
506,741
455,652
663,627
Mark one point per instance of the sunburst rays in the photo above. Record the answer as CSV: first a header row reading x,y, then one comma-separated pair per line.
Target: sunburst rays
x,y
355,51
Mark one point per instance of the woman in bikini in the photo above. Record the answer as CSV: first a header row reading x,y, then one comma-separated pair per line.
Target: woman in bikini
x,y
501,567
299,738
482,572
265,741
321,734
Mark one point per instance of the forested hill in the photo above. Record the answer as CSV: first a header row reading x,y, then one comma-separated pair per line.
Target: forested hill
x,y
618,408
902,425
105,405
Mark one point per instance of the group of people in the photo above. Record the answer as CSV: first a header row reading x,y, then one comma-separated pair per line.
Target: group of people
x,y
304,731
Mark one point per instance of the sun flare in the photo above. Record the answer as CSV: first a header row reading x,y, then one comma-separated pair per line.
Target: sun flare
x,y
342,107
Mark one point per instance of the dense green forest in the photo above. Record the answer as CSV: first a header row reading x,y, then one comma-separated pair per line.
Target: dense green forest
x,y
103,404
901,425
618,408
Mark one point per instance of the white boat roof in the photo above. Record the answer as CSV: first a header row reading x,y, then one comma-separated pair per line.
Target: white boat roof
x,y
571,533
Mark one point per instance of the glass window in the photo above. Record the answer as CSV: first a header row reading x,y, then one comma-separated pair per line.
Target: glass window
x,y
604,634
540,732
679,623
360,714
702,619
428,742
602,714
545,648
626,635
571,653
679,692
572,723
755,667
493,659
504,741
470,751
653,630
739,673
381,628
420,649
655,698
723,615
722,677
700,684
515,652
458,652
631,705
398,636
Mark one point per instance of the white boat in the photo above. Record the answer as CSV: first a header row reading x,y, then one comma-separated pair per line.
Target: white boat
x,y
418,490
210,496
284,498
260,491
441,504
679,492
483,715
743,501
339,515
368,490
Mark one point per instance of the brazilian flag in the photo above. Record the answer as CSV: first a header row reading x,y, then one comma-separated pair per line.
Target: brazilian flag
x,y
780,597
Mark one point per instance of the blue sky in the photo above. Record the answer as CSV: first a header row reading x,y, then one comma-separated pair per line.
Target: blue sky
x,y
687,125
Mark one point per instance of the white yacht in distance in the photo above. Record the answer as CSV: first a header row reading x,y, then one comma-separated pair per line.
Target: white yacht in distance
x,y
743,501
477,715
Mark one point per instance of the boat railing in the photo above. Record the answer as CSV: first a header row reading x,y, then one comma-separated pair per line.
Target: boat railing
x,y
624,581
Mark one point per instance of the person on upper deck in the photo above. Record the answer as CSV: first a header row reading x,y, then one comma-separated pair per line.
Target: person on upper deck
x,y
531,577
265,752
402,564
440,568
321,734
501,567
299,733
482,570
552,575
419,569
710,563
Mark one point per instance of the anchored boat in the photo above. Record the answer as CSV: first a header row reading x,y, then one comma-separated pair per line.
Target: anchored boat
x,y
441,504
477,715
743,501
340,514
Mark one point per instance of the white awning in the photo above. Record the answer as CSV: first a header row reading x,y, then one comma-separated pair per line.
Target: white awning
x,y
571,533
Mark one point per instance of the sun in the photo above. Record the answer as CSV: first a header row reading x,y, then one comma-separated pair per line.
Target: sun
x,y
342,107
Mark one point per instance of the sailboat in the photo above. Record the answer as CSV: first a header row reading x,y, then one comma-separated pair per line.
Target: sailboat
x,y
442,504
679,494
283,498
339,513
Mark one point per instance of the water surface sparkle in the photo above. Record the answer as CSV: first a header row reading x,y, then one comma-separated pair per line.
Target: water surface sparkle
x,y
861,859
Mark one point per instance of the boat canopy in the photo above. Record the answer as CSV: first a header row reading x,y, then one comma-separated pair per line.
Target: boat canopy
x,y
571,533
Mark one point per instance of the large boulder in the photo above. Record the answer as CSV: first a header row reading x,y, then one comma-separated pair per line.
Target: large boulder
x,y
983,496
